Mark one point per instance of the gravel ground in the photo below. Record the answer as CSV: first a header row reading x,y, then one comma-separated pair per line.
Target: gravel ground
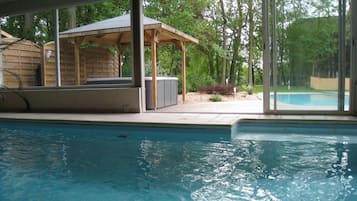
x,y
195,97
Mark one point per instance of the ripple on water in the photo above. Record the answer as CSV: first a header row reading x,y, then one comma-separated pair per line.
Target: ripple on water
x,y
71,167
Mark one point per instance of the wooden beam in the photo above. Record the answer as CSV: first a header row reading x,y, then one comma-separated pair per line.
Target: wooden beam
x,y
148,35
120,67
108,31
120,49
84,67
77,59
154,68
6,35
181,35
77,63
43,65
183,69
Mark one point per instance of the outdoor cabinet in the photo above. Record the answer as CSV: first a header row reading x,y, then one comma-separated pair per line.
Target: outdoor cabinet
x,y
167,89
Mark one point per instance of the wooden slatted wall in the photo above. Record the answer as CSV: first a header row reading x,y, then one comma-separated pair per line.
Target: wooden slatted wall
x,y
94,62
21,57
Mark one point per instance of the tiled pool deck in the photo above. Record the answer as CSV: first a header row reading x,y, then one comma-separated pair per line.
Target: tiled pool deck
x,y
168,118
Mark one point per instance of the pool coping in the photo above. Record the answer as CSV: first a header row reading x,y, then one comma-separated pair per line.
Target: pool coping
x,y
172,119
147,119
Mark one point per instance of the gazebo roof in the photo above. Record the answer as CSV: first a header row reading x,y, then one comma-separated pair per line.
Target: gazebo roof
x,y
117,31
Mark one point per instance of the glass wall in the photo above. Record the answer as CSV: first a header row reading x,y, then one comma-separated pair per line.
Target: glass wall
x,y
309,55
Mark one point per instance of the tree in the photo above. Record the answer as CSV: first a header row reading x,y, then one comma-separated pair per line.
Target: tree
x,y
237,26
224,42
250,44
222,27
28,26
72,19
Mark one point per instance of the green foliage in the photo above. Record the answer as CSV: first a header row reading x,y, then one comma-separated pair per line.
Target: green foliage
x,y
90,13
258,89
215,98
43,22
307,44
250,90
201,19
312,43
258,76
193,81
243,76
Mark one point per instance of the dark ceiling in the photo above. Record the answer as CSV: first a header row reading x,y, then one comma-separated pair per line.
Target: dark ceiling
x,y
17,7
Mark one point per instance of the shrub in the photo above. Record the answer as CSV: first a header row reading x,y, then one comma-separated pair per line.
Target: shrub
x,y
219,89
197,80
250,90
193,82
215,98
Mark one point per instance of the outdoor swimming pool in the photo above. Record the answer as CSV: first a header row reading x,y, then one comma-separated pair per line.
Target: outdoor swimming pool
x,y
256,161
310,99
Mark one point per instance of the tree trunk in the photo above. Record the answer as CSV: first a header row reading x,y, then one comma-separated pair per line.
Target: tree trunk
x,y
28,23
236,44
232,70
211,63
72,18
224,43
217,68
250,48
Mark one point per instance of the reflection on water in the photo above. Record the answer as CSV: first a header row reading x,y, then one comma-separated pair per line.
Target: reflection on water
x,y
57,166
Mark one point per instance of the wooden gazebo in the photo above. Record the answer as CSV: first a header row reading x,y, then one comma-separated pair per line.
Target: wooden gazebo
x,y
115,32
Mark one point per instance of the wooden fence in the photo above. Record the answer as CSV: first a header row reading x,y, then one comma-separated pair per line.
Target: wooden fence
x,y
327,83
21,61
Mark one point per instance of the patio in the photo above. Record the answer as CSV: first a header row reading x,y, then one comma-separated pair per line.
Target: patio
x,y
242,103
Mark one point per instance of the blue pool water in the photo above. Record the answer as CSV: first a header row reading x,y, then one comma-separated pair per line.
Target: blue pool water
x,y
254,162
310,99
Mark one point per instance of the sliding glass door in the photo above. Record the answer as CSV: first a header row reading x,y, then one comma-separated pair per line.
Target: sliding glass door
x,y
307,55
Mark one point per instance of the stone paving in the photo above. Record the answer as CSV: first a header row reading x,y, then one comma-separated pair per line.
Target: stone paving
x,y
233,107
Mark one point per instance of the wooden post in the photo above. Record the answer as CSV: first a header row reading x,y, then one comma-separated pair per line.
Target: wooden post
x,y
43,65
77,63
120,50
84,67
120,67
154,69
183,69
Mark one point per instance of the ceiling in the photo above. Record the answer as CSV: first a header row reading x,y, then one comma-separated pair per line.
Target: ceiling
x,y
17,7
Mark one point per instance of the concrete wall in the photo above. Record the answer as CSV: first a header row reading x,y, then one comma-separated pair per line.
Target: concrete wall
x,y
71,100
327,83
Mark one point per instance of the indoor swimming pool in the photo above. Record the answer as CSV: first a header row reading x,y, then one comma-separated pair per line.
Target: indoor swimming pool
x,y
253,160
